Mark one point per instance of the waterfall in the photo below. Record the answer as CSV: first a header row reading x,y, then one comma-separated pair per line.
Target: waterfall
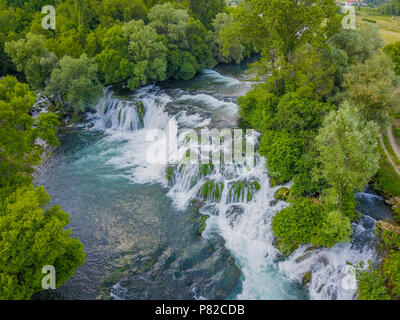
x,y
238,198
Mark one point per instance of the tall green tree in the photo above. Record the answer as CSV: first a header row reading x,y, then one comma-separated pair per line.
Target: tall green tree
x,y
372,87
76,81
187,41
206,11
235,53
360,44
20,149
33,235
147,52
348,153
277,28
31,57
113,60
133,55
125,10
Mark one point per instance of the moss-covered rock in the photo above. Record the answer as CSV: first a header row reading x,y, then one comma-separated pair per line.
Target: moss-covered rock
x,y
285,248
141,111
211,191
202,225
386,226
206,169
275,181
282,194
394,203
170,173
241,191
306,278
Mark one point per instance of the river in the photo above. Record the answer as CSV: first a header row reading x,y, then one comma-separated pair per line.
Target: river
x,y
140,230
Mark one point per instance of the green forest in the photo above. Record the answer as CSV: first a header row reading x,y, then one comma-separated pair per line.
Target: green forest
x,y
323,101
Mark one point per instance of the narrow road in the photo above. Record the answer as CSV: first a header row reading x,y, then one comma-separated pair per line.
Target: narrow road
x,y
393,142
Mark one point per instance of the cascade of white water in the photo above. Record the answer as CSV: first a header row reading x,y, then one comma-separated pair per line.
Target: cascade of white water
x,y
238,198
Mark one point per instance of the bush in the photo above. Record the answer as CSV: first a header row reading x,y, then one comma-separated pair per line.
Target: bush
x,y
295,113
391,271
282,194
306,222
393,50
336,227
371,285
298,222
368,20
258,108
283,151
304,184
76,80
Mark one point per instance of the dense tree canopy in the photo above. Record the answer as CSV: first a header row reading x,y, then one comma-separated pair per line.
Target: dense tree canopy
x,y
277,29
305,222
20,149
31,235
32,57
372,87
206,11
236,52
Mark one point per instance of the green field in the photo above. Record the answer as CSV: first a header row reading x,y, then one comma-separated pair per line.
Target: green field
x,y
389,26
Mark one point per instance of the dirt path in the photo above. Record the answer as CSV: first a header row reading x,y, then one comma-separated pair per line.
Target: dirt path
x,y
393,142
388,155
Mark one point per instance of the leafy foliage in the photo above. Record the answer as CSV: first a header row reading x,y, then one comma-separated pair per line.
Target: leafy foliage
x,y
371,86
20,149
32,57
282,151
259,24
33,236
393,51
371,285
348,155
237,52
76,80
305,222
206,11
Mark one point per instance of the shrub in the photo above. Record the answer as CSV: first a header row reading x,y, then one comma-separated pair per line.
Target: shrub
x,y
283,151
306,222
258,107
336,227
298,222
371,285
391,271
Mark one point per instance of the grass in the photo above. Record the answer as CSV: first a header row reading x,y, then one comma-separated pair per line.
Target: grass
x,y
389,27
390,150
387,180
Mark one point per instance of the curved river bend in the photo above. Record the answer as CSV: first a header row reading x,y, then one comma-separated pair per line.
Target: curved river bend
x,y
140,230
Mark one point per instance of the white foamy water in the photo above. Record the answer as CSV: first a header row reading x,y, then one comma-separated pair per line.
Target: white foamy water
x,y
217,77
241,216
209,101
